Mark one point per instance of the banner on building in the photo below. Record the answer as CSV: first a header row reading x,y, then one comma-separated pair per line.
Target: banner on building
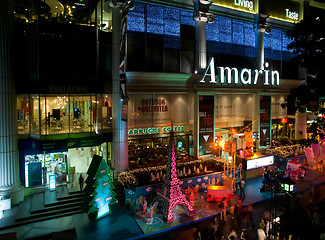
x,y
206,110
265,121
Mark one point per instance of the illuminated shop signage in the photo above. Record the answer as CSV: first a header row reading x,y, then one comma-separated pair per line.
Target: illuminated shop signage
x,y
153,130
52,181
241,5
80,3
245,4
291,14
289,11
283,120
154,105
68,89
245,76
260,162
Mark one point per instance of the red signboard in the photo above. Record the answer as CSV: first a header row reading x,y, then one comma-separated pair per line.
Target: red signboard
x,y
283,120
206,110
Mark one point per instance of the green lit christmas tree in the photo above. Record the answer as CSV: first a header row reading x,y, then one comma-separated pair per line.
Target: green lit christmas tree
x,y
99,194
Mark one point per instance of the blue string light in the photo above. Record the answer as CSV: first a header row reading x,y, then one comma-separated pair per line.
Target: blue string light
x,y
136,18
225,35
171,22
155,19
187,18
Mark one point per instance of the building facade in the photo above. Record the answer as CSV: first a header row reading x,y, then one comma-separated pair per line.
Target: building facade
x,y
83,86
197,71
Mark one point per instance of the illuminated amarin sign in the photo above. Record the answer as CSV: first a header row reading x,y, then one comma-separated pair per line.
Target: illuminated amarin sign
x,y
227,75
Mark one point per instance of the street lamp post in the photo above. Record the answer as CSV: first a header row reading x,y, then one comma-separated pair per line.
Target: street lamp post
x,y
277,185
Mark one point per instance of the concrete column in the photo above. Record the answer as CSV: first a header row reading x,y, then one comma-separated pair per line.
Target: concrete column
x,y
200,46
9,158
259,48
256,115
119,131
196,126
301,125
200,65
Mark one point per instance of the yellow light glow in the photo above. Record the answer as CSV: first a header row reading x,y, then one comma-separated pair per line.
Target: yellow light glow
x,y
222,143
285,19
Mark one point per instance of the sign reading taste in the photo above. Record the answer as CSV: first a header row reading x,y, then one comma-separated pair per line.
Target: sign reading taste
x,y
153,130
292,14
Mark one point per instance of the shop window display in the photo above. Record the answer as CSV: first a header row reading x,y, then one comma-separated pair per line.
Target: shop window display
x,y
107,112
57,114
154,152
98,122
33,171
50,163
23,114
65,165
81,113
35,114
61,114
72,12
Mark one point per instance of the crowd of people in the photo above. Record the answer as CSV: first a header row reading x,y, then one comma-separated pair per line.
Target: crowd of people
x,y
236,223
304,218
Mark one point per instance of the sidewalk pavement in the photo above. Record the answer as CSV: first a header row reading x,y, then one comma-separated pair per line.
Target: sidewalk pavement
x,y
120,224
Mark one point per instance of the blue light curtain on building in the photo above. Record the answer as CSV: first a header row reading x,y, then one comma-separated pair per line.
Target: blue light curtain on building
x,y
224,36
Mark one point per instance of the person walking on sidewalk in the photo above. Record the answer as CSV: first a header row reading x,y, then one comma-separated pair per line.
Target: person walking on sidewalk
x,y
261,234
223,208
241,188
81,182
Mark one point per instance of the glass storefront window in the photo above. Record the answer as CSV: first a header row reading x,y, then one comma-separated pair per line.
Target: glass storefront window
x,y
78,12
98,123
43,115
38,168
23,114
107,111
66,165
154,152
57,114
35,114
61,114
92,121
80,114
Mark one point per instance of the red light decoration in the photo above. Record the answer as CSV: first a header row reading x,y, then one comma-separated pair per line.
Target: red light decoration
x,y
283,120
